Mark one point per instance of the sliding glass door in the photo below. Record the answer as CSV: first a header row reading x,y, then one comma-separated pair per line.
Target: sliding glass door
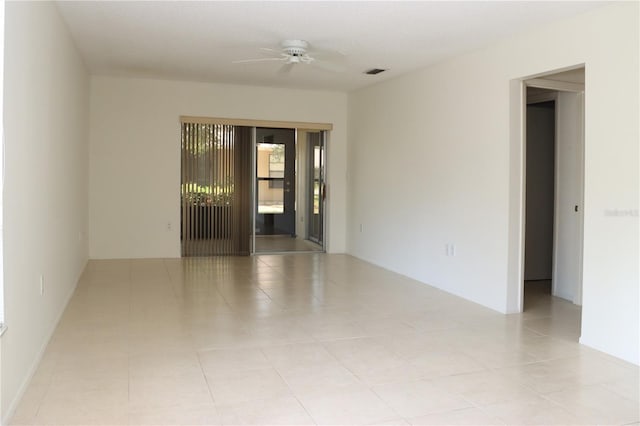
x,y
289,195
248,189
276,186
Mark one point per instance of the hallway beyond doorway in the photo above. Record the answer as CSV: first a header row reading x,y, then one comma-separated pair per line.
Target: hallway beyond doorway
x,y
548,314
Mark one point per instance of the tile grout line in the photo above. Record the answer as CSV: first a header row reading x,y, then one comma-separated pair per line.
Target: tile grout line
x,y
293,394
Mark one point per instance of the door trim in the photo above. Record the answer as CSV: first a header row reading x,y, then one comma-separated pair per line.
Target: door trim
x,y
562,86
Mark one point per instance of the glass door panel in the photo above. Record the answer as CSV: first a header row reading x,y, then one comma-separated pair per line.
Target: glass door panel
x,y
289,190
271,159
275,186
316,186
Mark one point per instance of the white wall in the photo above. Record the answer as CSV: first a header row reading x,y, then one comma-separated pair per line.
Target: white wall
x,y
135,155
429,164
2,326
46,101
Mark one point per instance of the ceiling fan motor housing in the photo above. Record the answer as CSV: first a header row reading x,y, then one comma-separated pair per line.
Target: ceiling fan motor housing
x,y
295,48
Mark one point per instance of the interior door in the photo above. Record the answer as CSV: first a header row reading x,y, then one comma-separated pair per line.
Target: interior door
x,y
567,276
275,174
316,189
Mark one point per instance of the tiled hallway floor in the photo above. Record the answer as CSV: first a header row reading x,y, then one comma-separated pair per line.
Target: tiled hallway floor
x,y
312,339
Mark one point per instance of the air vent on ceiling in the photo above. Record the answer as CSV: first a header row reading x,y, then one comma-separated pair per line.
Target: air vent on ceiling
x,y
374,71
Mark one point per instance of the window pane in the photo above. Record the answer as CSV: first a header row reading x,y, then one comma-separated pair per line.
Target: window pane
x,y
270,197
316,198
270,160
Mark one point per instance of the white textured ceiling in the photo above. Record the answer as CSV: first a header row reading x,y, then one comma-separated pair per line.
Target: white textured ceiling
x,y
199,40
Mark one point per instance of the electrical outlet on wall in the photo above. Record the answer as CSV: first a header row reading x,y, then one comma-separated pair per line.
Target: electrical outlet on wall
x,y
449,249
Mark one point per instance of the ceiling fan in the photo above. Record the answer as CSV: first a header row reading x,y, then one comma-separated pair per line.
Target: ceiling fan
x,y
294,52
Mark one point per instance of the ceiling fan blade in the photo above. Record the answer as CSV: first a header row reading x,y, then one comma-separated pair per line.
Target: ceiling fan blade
x,y
328,66
286,68
328,55
269,49
244,61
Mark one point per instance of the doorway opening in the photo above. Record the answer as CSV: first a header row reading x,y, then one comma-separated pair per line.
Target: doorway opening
x,y
540,191
289,190
553,193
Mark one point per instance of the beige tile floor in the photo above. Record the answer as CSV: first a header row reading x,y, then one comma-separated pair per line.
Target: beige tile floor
x,y
312,339
284,243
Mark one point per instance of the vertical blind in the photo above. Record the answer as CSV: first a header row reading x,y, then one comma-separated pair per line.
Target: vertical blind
x,y
215,189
